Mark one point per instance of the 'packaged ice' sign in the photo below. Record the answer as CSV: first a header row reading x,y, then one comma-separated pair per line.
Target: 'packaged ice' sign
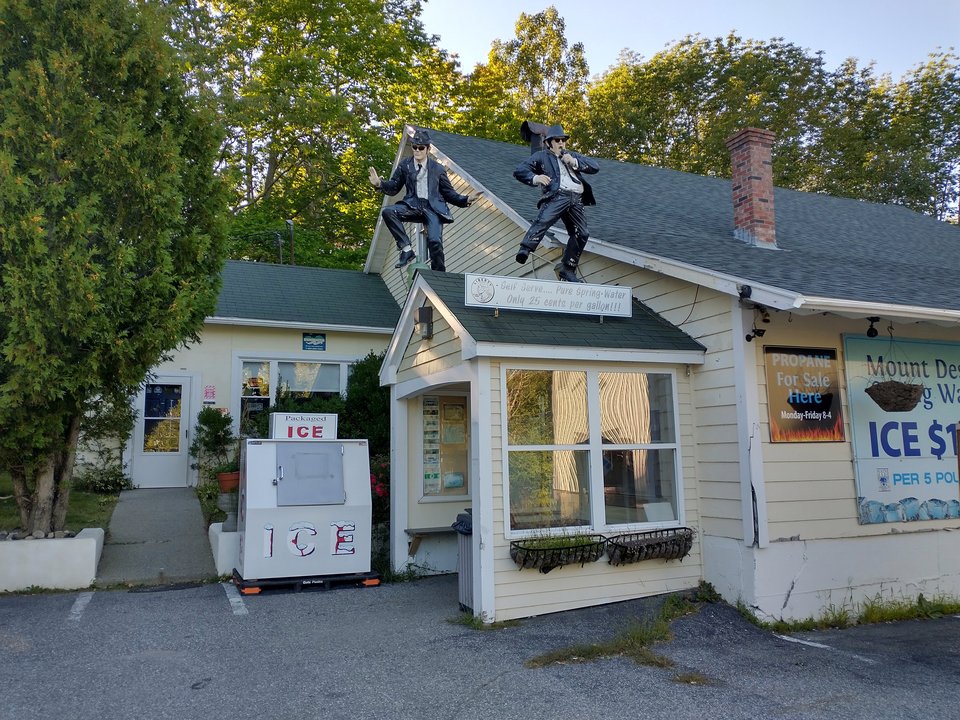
x,y
303,426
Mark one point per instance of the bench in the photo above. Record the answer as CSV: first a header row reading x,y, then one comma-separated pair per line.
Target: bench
x,y
418,534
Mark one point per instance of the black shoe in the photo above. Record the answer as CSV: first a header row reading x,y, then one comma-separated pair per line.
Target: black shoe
x,y
566,274
406,257
522,254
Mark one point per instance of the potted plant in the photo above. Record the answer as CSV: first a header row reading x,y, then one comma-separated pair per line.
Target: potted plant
x,y
215,446
228,475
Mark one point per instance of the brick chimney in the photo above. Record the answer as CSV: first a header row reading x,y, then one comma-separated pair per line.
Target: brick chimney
x,y
752,182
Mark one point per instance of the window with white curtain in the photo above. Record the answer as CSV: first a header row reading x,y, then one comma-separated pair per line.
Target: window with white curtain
x,y
590,449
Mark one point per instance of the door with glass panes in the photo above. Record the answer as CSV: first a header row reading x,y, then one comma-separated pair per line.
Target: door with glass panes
x,y
160,456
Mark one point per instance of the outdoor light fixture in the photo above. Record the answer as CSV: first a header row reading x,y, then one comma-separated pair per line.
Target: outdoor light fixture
x,y
872,332
424,321
764,314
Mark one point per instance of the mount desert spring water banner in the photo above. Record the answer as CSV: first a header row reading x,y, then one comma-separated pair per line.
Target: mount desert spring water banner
x,y
905,457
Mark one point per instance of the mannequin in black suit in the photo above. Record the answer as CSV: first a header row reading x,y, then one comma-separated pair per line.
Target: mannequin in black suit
x,y
426,204
559,173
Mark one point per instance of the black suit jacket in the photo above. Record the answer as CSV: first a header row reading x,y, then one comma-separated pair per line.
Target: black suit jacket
x,y
439,188
546,163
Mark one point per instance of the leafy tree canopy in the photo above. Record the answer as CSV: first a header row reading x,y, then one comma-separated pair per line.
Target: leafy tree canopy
x,y
110,225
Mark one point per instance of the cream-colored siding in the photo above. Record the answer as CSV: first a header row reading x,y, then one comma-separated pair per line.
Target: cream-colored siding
x,y
521,593
213,356
810,487
426,357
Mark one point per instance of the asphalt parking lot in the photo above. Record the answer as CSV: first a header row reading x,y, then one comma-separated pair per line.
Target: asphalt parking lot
x,y
396,651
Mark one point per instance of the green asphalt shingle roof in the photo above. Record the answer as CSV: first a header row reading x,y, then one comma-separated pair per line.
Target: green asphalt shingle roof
x,y
828,247
309,295
645,330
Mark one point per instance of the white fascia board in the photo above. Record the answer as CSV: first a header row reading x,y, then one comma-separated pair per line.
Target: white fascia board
x,y
562,352
858,309
420,291
287,324
460,374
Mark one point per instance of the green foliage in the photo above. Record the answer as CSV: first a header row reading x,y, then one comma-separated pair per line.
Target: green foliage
x,y
214,447
473,622
110,228
311,95
380,487
109,481
367,408
874,610
534,76
635,641
707,593
103,431
87,509
208,494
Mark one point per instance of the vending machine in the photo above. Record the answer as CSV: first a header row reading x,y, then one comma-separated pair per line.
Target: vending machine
x,y
305,512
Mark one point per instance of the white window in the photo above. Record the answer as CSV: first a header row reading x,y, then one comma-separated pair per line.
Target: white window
x,y
262,381
590,449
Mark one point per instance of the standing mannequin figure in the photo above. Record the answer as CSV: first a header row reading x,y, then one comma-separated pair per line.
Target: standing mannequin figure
x,y
559,173
428,190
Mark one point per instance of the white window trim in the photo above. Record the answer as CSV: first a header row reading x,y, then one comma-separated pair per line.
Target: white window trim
x,y
595,448
240,357
431,499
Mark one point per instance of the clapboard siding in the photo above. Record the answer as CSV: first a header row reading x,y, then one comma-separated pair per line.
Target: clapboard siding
x,y
425,357
521,593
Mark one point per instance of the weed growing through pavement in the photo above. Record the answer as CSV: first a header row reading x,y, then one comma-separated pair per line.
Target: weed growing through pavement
x,y
475,623
874,610
635,642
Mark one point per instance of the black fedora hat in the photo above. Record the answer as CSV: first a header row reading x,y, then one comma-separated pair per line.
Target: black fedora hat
x,y
555,132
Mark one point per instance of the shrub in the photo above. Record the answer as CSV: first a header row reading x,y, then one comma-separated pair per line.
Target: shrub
x,y
109,480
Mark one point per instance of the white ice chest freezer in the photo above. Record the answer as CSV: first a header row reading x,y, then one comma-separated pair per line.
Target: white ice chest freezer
x,y
304,508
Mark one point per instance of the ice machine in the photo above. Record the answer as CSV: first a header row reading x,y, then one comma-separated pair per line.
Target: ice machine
x,y
304,508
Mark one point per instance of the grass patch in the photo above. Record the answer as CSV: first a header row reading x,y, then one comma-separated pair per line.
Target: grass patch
x,y
692,678
474,623
635,642
875,610
86,509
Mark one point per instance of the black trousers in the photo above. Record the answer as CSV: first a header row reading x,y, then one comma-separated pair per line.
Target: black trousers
x,y
416,210
568,207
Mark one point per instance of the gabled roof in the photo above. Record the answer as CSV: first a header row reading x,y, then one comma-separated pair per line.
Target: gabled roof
x,y
283,295
831,251
645,330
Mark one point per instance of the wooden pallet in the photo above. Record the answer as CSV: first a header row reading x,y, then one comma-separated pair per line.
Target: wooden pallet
x,y
298,584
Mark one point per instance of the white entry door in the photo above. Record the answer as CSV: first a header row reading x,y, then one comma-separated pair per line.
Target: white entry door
x,y
160,456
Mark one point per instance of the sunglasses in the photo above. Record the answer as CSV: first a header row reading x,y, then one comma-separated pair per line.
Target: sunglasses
x,y
419,147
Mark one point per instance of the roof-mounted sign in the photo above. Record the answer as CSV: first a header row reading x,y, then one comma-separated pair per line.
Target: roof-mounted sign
x,y
511,293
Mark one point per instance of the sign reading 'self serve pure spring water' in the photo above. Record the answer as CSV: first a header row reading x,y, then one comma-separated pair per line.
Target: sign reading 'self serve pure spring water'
x,y
905,459
511,293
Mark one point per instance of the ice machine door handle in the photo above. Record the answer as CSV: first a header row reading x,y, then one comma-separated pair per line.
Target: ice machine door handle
x,y
279,476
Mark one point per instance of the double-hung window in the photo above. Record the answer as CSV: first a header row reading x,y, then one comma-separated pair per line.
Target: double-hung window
x,y
590,449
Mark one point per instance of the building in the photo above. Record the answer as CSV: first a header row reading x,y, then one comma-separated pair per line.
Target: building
x,y
736,400
275,326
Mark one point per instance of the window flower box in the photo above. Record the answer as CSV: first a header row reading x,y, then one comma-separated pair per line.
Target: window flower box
x,y
671,544
547,553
